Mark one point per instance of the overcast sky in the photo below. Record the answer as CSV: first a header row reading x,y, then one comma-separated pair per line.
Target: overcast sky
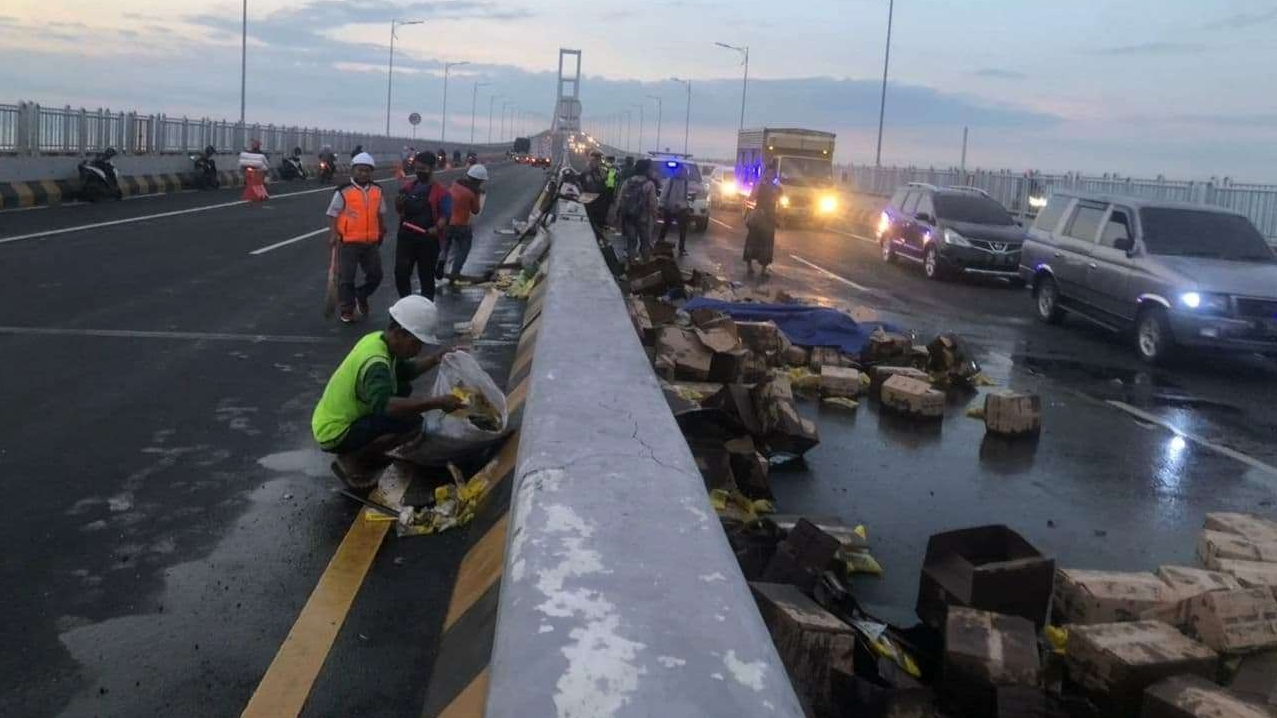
x,y
1183,88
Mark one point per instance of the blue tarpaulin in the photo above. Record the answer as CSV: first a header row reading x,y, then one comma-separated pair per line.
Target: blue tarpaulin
x,y
805,325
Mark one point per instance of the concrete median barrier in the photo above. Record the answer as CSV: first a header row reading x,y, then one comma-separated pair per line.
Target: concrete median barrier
x,y
619,593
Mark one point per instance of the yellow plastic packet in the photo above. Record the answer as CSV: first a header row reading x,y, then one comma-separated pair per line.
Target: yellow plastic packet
x,y
976,410
1058,637
762,506
862,562
840,401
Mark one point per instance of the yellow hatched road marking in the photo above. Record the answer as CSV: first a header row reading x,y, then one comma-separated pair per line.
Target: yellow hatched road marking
x,y
471,701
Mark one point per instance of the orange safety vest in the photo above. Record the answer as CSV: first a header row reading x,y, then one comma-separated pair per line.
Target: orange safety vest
x,y
359,221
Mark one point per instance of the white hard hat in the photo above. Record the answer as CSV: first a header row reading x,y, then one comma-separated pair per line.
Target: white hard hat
x,y
418,316
478,172
363,158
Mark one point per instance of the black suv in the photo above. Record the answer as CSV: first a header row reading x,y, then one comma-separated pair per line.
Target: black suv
x,y
950,230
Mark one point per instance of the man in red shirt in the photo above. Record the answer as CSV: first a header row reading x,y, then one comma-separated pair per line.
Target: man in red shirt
x,y
467,194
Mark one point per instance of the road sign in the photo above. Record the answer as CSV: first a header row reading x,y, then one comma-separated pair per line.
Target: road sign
x,y
414,118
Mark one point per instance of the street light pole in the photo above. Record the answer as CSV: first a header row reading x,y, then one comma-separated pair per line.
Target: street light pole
x,y
659,112
882,107
491,101
640,138
687,127
745,86
474,97
390,73
243,63
447,66
629,129
504,105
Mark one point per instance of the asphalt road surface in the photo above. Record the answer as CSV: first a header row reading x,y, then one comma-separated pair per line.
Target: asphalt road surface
x,y
167,513
1129,460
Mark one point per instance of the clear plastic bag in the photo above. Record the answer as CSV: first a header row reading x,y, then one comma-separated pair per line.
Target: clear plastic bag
x,y
448,437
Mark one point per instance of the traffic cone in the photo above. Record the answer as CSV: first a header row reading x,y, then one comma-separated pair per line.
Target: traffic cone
x,y
254,186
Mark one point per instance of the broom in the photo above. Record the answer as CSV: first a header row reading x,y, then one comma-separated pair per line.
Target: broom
x,y
330,298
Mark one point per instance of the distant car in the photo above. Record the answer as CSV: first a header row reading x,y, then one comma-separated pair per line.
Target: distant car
x,y
950,231
697,191
723,190
1179,275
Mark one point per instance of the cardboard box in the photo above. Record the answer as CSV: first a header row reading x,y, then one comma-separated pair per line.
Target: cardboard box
x,y
727,367
893,694
1012,414
841,381
845,535
717,333
990,568
1115,662
878,375
1250,526
749,468
912,397
1084,597
649,315
829,356
884,346
737,400
691,359
784,431
1215,545
1256,678
1194,697
812,642
797,356
1251,574
1186,581
762,338
1238,621
984,650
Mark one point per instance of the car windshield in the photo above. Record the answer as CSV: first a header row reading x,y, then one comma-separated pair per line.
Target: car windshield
x,y
805,171
971,208
1203,233
693,172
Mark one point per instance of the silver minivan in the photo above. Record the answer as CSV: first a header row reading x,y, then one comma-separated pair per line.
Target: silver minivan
x,y
1177,274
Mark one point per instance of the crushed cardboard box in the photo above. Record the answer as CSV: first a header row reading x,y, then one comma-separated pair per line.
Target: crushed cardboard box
x,y
783,430
812,642
1086,597
1195,697
802,556
1115,662
1009,413
690,358
984,650
912,397
1231,622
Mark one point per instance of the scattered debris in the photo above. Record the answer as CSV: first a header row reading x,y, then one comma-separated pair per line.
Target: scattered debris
x,y
983,651
841,402
1194,697
1215,545
812,642
836,381
1186,581
1087,597
1256,678
990,568
1231,622
1248,526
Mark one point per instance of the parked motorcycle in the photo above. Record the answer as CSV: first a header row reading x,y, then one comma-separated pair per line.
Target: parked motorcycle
x,y
98,179
206,170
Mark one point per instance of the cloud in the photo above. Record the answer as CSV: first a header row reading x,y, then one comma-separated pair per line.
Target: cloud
x,y
1000,74
1242,20
1155,48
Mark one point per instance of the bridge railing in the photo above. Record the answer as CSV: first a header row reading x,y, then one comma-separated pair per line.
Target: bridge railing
x,y
28,128
1013,189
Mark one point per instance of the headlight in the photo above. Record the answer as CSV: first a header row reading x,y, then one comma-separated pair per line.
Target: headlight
x,y
729,188
1037,202
952,237
828,204
1205,302
784,200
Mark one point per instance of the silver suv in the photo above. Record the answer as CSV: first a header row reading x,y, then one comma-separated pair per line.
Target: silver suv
x,y
1178,274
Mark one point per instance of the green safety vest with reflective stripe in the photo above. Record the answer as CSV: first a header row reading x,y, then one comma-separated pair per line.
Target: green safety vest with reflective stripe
x,y
341,403
610,182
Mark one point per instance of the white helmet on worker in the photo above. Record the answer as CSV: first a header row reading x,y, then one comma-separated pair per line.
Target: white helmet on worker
x,y
478,172
363,158
418,316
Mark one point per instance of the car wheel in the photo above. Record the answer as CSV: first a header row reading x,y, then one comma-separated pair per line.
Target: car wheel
x,y
702,225
1046,296
931,263
1153,339
888,253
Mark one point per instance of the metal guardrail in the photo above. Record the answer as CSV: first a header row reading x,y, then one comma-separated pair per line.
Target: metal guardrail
x,y
1013,189
28,128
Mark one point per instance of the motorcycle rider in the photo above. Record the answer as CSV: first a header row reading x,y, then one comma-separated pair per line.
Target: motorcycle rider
x,y
472,159
291,167
206,170
327,163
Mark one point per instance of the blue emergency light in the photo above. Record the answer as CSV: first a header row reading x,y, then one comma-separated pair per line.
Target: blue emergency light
x,y
671,164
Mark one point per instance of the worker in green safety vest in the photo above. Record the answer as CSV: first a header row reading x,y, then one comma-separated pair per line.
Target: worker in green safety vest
x,y
367,408
609,192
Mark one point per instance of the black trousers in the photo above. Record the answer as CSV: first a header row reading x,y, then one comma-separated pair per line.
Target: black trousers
x,y
420,251
681,215
350,257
